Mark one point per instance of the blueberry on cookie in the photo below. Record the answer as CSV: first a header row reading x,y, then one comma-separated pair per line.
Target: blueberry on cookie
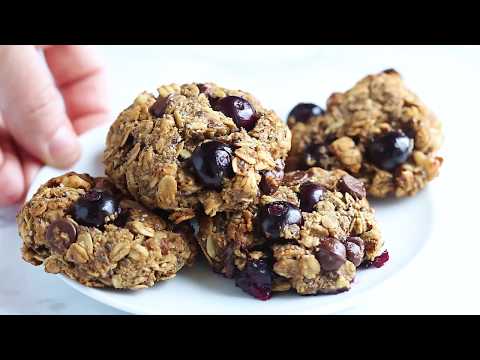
x,y
195,145
84,228
310,235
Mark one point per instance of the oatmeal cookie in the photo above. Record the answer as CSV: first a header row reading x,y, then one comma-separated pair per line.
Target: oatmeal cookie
x,y
309,235
378,131
195,144
84,228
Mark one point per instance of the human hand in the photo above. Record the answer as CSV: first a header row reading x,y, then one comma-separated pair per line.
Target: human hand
x,y
44,108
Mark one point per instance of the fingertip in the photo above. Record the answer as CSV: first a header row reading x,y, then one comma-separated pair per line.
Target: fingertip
x,y
64,148
11,182
35,114
12,198
31,166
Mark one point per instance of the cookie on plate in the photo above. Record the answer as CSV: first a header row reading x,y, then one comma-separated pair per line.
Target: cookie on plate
x,y
310,235
378,131
86,229
195,145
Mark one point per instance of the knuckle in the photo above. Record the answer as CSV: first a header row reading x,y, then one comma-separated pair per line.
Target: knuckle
x,y
45,103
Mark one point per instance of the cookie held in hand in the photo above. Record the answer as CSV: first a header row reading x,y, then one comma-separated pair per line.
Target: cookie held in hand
x,y
84,228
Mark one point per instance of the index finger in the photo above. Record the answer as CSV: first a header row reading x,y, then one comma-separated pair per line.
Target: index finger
x,y
80,76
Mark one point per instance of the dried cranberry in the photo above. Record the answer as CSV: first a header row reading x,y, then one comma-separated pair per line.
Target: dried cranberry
x,y
256,279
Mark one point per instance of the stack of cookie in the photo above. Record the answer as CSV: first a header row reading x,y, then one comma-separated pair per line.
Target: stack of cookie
x,y
275,207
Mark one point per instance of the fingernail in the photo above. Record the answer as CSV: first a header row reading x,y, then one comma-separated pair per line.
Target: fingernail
x,y
64,148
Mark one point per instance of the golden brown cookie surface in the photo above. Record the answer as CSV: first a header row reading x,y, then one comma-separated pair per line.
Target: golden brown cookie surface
x,y
195,144
86,229
309,235
378,131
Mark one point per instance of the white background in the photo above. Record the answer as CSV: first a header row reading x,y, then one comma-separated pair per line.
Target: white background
x,y
443,279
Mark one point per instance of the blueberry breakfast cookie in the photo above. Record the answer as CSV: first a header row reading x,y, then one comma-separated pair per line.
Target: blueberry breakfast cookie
x,y
309,234
84,228
195,145
378,131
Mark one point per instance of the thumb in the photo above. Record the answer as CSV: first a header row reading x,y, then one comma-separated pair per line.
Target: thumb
x,y
33,107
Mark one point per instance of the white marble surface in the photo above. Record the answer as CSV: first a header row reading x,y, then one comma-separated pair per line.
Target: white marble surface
x,y
442,279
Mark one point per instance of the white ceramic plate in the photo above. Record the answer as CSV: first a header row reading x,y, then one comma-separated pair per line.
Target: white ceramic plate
x,y
406,226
